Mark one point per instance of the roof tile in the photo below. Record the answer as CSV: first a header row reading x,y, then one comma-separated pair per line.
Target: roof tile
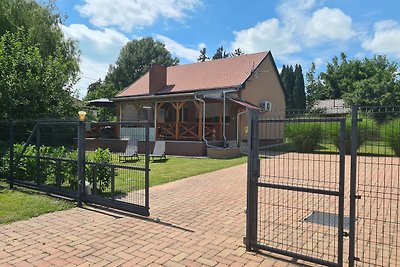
x,y
214,74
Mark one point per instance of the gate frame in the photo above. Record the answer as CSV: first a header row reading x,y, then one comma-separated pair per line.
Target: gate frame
x,y
253,173
80,195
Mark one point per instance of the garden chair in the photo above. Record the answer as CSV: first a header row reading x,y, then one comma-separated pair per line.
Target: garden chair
x,y
131,150
159,150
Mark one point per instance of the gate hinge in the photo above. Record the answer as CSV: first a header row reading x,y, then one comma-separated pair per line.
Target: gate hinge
x,y
345,234
358,197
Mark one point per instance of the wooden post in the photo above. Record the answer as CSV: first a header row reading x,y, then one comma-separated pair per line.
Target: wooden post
x,y
200,124
177,107
158,107
220,122
177,121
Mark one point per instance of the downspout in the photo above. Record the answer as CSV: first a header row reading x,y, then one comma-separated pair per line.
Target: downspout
x,y
204,118
238,125
224,119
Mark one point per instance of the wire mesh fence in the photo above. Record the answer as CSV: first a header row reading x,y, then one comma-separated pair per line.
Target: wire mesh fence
x,y
303,163
377,236
300,186
115,159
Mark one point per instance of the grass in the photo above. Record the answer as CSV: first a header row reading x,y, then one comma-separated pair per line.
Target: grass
x,y
169,170
378,148
21,204
176,168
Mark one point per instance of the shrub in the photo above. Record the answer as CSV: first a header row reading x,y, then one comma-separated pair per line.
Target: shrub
x,y
367,129
103,174
391,134
304,136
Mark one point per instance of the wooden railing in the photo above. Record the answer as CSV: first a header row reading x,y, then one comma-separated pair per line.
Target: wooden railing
x,y
188,131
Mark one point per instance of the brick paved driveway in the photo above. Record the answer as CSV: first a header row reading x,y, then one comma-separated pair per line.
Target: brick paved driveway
x,y
202,222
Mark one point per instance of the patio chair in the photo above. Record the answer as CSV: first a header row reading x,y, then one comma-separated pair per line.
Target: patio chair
x,y
131,150
159,150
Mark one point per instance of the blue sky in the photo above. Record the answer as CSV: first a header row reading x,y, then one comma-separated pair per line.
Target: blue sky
x,y
296,31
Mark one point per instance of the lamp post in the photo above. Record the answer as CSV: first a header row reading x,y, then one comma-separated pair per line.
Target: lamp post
x,y
81,156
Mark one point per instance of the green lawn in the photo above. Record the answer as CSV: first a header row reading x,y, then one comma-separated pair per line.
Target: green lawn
x,y
165,171
175,168
20,204
378,148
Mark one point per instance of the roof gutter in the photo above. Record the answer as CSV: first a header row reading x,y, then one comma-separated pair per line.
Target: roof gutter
x,y
177,95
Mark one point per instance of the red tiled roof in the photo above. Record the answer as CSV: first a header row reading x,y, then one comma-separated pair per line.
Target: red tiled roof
x,y
213,74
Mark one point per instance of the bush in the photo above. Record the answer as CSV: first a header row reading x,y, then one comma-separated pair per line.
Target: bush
x,y
390,132
367,130
304,136
103,174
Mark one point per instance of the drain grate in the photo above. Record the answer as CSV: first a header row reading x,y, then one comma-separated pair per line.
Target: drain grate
x,y
327,219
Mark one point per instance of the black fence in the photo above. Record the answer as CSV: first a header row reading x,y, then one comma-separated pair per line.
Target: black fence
x,y
323,186
103,163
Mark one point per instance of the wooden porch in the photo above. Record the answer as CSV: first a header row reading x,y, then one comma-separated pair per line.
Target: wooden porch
x,y
184,121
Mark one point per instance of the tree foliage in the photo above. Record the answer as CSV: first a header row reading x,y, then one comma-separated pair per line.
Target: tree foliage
x,y
367,82
203,55
133,62
220,53
39,66
293,83
32,86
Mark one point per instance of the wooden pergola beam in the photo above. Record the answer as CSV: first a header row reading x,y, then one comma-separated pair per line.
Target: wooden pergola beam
x,y
200,126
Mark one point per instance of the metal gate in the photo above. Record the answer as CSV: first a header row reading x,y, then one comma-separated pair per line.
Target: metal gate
x,y
295,200
91,162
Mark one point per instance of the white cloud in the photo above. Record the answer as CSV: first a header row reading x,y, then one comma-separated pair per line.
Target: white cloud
x,y
91,71
178,49
300,24
127,14
386,38
329,23
105,43
100,48
267,35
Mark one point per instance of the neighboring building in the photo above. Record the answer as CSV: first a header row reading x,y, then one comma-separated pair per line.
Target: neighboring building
x,y
331,107
202,102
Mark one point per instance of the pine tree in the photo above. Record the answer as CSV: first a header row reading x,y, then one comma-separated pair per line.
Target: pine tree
x,y
220,53
299,94
238,52
203,55
287,77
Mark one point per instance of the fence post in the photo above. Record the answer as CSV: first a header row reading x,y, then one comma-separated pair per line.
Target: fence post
x,y
252,179
353,184
147,166
81,161
342,163
38,174
11,148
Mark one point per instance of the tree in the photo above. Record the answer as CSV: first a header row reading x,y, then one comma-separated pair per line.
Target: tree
x,y
39,66
135,60
203,55
43,23
32,86
220,53
314,87
238,52
367,82
287,77
299,94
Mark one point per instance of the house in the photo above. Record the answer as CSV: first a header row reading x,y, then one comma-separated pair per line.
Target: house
x,y
202,104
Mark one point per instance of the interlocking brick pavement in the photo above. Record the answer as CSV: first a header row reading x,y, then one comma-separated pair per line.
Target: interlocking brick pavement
x,y
202,223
